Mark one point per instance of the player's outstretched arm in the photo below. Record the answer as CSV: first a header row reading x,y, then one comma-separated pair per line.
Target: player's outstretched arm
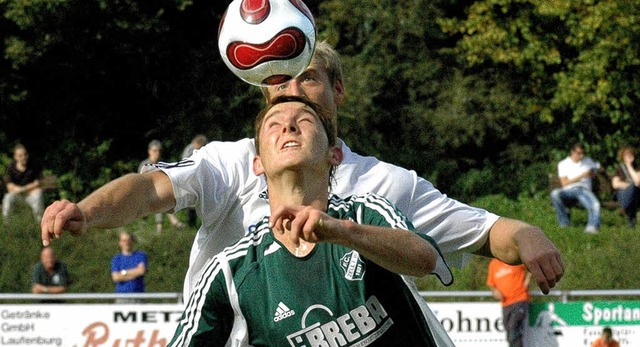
x,y
397,250
115,204
515,242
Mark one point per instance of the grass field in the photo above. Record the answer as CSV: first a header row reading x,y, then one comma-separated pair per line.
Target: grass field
x,y
608,260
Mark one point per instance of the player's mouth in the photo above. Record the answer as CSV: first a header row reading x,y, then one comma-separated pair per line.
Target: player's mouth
x,y
290,144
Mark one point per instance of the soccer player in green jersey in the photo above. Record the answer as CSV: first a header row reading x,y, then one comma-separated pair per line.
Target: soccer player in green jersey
x,y
321,270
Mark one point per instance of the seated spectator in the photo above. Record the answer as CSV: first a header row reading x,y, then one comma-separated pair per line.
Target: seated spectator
x,y
22,181
49,275
128,268
153,150
576,173
625,181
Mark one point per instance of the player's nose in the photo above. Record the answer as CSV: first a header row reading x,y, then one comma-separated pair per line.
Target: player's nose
x,y
295,88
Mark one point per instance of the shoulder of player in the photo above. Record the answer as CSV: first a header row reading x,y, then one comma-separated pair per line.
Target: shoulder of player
x,y
245,145
248,247
356,163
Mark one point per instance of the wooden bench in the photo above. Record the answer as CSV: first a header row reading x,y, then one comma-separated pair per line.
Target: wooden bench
x,y
602,188
49,183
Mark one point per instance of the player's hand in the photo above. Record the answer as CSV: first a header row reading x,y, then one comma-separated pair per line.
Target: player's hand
x,y
60,216
542,259
302,222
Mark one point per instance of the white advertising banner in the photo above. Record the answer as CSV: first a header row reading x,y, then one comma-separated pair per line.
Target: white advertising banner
x,y
572,324
470,324
77,325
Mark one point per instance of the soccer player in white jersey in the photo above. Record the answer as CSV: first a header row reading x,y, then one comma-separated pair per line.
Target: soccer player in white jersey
x,y
319,270
217,181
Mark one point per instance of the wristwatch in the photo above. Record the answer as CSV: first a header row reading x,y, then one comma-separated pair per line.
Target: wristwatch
x,y
123,272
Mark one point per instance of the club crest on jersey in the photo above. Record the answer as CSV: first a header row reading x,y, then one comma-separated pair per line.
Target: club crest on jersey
x,y
353,266
361,326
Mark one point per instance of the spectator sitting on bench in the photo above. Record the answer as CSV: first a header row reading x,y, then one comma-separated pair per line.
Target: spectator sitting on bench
x,y
576,173
22,181
626,181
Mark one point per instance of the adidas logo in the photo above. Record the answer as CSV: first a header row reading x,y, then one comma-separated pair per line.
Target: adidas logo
x,y
282,312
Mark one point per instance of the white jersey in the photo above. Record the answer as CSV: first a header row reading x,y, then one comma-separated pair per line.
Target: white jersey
x,y
572,169
218,181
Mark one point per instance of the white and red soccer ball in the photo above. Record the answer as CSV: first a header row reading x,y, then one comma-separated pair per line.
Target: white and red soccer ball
x,y
267,42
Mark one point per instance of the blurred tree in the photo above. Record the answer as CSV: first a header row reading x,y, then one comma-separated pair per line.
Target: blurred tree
x,y
411,103
473,95
580,60
79,73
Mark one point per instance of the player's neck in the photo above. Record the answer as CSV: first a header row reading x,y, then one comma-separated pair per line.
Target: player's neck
x,y
296,189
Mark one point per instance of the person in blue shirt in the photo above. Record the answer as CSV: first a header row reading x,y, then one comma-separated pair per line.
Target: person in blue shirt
x,y
128,268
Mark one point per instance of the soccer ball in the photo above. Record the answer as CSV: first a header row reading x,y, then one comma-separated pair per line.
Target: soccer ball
x,y
267,42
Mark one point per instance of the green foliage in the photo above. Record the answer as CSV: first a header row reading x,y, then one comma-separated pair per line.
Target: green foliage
x,y
88,172
75,75
578,58
456,91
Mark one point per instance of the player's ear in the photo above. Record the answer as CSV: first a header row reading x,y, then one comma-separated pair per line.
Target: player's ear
x,y
338,90
258,169
336,155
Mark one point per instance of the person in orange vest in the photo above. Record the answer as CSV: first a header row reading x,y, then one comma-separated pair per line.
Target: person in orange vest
x,y
606,339
510,285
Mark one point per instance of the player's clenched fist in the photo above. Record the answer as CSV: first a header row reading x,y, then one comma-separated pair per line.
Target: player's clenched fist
x,y
60,216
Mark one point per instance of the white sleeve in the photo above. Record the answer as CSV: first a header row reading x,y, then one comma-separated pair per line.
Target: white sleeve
x,y
459,229
212,177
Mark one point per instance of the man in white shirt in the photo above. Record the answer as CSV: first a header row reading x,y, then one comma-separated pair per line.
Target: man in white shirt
x,y
217,180
576,172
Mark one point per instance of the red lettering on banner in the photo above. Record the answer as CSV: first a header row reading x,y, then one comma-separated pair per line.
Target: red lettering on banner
x,y
155,341
92,341
97,335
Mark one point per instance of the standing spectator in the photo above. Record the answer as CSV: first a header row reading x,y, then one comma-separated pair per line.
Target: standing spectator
x,y
154,150
626,181
606,339
510,285
128,267
196,143
50,276
22,181
576,173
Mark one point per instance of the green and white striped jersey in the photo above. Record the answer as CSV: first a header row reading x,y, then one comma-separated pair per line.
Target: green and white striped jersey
x,y
256,293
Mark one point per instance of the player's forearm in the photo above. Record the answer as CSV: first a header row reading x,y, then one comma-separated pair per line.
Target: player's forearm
x,y
396,250
122,201
502,242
